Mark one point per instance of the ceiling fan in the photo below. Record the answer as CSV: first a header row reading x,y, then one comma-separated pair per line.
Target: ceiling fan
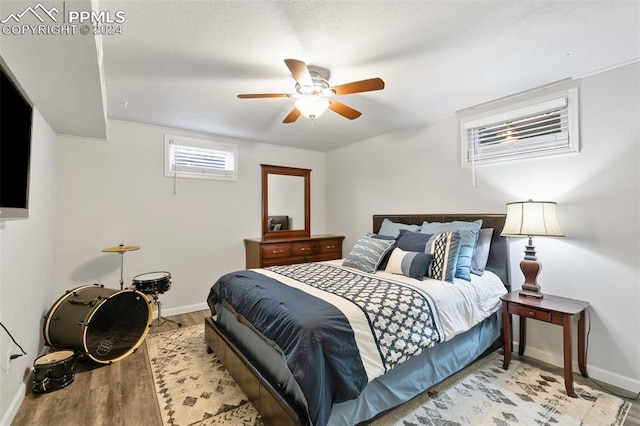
x,y
314,93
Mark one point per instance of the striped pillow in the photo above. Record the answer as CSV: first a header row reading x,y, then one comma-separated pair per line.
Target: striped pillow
x,y
409,263
367,254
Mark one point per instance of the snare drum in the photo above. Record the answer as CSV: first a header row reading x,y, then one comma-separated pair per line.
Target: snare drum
x,y
152,282
103,323
52,371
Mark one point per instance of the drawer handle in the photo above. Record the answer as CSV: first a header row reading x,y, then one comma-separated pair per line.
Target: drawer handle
x,y
277,251
305,249
330,247
531,314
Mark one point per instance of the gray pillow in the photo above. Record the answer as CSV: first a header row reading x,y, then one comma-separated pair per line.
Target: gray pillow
x,y
367,253
392,229
481,252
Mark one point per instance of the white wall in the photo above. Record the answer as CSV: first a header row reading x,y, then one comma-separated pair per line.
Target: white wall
x,y
598,195
27,269
115,192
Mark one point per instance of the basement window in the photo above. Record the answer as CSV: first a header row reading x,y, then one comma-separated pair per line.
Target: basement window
x,y
542,126
200,159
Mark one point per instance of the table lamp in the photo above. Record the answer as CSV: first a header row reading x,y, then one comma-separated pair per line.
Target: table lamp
x,y
529,219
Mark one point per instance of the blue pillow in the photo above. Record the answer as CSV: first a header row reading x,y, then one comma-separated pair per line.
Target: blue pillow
x,y
367,254
412,241
409,263
444,248
392,229
468,237
385,258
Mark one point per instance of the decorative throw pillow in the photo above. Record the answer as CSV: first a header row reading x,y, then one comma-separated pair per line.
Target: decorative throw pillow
x,y
385,259
444,248
392,229
481,252
367,254
468,236
409,263
412,241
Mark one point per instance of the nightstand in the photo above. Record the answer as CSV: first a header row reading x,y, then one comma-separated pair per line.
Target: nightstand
x,y
552,309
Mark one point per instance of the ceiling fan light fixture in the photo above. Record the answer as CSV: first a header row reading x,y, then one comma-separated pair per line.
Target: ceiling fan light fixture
x,y
312,106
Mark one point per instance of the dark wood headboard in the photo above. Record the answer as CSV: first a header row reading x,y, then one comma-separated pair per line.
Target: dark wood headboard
x,y
498,262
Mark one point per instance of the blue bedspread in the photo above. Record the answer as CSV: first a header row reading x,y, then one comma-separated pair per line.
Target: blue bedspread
x,y
316,336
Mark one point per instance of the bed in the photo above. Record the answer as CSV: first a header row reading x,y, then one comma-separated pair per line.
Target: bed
x,y
283,388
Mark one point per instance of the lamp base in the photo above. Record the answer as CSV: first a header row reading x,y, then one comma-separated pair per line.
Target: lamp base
x,y
530,268
533,293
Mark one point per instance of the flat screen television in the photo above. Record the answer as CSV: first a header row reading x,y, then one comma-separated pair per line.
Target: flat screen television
x,y
16,116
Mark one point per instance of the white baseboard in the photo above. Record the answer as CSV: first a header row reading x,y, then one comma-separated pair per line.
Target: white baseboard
x,y
14,406
597,373
184,309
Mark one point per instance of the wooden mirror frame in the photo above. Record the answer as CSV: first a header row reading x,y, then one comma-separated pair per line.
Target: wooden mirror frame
x,y
287,171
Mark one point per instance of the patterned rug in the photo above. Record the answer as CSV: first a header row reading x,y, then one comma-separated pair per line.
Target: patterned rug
x,y
486,394
193,388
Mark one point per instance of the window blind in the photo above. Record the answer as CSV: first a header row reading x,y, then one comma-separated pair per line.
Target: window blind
x,y
539,128
186,157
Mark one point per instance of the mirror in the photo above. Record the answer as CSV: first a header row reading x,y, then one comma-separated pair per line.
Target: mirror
x,y
285,202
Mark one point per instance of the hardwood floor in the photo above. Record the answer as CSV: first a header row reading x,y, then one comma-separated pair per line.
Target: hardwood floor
x,y
123,393
111,395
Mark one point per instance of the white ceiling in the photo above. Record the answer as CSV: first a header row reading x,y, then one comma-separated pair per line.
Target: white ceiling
x,y
181,64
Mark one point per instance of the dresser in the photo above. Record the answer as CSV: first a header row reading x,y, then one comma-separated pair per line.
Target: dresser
x,y
261,253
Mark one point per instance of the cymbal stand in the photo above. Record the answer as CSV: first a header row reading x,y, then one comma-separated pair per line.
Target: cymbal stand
x,y
160,317
121,250
121,270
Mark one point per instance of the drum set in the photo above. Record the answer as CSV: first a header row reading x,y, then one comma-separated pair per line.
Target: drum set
x,y
102,324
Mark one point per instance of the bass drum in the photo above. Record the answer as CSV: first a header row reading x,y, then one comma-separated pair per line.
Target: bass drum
x,y
105,324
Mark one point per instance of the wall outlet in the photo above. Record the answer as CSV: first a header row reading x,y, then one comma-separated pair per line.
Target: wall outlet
x,y
6,361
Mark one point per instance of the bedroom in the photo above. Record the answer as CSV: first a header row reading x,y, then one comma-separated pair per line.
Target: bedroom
x,y
89,193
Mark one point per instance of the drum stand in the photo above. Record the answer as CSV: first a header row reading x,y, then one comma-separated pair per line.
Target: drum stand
x,y
160,317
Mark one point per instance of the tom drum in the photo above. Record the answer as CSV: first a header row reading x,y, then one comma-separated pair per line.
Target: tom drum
x,y
52,371
152,282
105,324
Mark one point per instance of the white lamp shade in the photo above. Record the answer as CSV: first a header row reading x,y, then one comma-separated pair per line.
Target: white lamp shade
x,y
312,106
532,218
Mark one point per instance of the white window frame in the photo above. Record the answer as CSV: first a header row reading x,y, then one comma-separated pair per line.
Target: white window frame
x,y
563,142
228,151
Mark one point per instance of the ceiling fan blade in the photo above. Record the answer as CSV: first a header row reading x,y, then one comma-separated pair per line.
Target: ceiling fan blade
x,y
293,116
263,95
359,86
299,71
343,110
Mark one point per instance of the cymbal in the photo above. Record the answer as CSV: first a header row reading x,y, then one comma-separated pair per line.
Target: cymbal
x,y
120,249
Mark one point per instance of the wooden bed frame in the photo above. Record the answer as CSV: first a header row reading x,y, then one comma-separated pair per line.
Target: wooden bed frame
x,y
277,408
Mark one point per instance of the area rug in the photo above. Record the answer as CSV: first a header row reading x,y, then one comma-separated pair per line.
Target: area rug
x,y
194,388
486,394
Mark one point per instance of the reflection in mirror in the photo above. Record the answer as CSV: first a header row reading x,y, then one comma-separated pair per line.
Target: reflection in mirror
x,y
285,202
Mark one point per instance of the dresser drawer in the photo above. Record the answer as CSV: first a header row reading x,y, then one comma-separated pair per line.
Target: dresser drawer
x,y
276,251
304,248
528,312
333,246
